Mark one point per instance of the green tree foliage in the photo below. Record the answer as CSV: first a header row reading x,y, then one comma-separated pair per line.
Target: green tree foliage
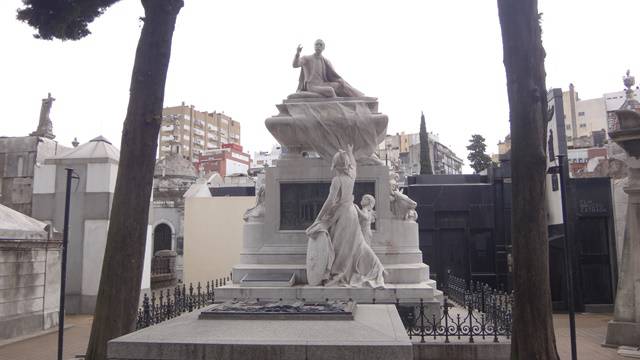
x,y
425,159
477,153
62,19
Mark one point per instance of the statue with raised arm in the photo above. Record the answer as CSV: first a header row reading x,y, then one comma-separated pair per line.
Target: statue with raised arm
x,y
318,78
45,126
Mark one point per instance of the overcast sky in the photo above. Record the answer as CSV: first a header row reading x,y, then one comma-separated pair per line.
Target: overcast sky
x,y
440,57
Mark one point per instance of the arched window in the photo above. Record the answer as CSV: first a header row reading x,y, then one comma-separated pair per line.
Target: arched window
x,y
161,238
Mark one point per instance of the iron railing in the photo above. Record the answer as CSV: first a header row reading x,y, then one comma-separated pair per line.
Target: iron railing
x,y
174,302
469,312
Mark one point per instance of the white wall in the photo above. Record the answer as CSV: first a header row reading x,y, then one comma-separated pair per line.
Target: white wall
x,y
234,167
95,241
554,198
44,179
146,270
101,177
213,230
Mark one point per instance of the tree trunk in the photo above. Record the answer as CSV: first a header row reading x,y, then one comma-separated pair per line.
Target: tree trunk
x,y
533,335
119,291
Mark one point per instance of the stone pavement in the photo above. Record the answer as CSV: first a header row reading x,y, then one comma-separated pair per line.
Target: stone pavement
x,y
45,347
591,329
590,332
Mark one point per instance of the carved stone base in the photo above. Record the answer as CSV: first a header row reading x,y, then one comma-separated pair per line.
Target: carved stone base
x,y
622,333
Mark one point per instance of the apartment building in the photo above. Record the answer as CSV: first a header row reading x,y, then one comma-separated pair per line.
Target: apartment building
x,y
195,131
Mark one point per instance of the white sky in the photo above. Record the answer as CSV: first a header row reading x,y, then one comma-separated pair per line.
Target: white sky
x,y
443,57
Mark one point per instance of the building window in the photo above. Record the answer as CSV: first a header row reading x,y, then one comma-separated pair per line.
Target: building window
x,y
581,113
161,238
568,127
583,126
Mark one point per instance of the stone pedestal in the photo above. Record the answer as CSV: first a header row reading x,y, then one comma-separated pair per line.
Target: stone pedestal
x,y
624,329
277,243
294,192
375,333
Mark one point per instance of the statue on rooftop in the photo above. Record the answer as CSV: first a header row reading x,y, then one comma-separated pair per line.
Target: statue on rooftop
x,y
318,78
45,127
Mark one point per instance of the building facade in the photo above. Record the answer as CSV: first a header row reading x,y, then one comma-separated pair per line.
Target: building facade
x,y
228,160
18,157
402,152
95,164
583,118
172,177
195,131
266,158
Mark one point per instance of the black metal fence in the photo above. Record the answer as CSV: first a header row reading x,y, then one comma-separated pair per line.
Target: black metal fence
x,y
174,302
470,311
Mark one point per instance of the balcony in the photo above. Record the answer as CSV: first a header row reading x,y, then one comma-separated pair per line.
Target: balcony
x,y
198,131
168,128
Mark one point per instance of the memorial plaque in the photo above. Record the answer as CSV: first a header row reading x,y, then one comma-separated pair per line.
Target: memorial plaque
x,y
300,202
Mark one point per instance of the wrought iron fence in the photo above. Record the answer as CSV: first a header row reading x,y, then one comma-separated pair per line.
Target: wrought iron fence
x,y
174,302
469,311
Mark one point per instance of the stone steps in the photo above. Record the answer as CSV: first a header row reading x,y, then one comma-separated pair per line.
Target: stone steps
x,y
412,273
386,257
405,293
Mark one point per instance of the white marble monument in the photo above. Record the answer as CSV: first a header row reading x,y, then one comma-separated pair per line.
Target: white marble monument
x,y
327,117
624,329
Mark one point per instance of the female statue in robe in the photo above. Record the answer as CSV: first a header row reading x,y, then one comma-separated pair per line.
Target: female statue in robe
x,y
338,254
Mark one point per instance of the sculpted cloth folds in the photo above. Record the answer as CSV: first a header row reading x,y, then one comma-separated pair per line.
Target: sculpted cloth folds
x,y
353,262
334,125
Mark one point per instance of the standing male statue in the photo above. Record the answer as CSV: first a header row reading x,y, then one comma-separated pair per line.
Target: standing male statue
x,y
318,77
45,126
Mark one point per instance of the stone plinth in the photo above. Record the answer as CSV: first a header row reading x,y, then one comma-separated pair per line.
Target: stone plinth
x,y
325,125
375,333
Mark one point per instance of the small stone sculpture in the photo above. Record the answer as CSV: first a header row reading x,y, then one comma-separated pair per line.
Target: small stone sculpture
x,y
402,207
367,216
256,213
337,253
318,78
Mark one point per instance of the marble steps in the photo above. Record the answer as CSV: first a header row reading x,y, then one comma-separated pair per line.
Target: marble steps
x,y
386,257
412,273
405,293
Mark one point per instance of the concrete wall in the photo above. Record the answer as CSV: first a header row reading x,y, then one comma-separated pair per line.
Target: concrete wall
x,y
213,236
462,350
18,156
29,288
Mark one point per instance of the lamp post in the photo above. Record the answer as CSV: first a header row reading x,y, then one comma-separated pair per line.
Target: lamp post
x,y
563,169
63,270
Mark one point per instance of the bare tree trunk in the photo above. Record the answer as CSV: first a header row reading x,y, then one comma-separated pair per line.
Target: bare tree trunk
x,y
119,291
533,335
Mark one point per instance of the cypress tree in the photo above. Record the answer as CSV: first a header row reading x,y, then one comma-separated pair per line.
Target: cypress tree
x,y
425,159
